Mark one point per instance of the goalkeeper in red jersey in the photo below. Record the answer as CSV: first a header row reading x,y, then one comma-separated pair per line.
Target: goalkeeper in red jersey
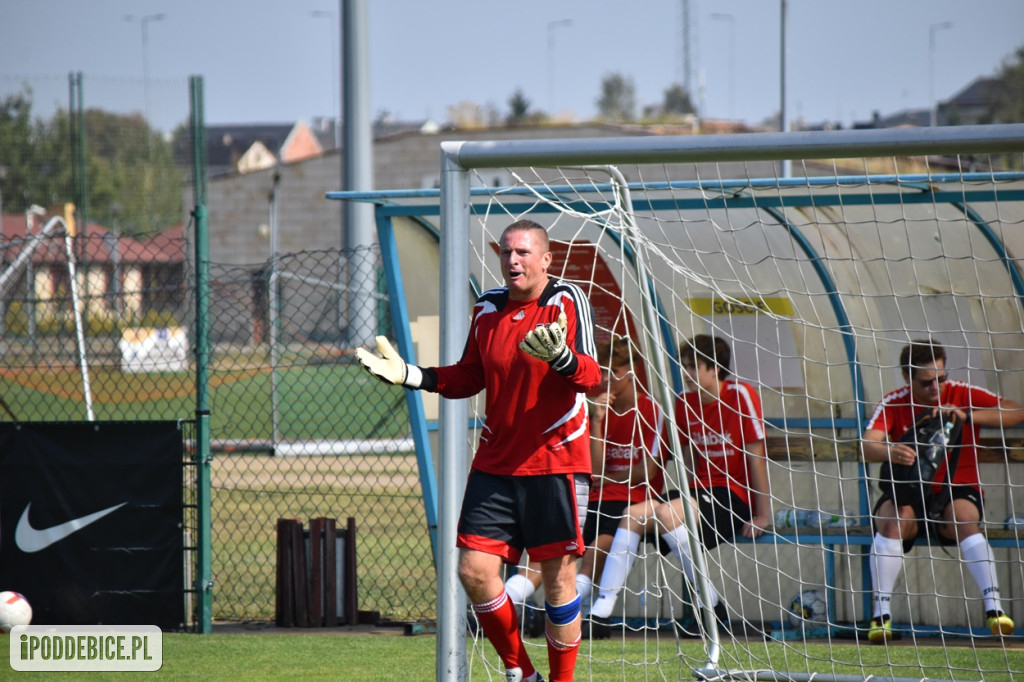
x,y
531,348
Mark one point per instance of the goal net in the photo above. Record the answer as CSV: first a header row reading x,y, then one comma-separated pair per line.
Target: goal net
x,y
817,282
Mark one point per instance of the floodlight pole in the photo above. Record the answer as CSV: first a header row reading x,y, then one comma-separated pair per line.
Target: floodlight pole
x,y
724,16
787,165
552,25
357,170
335,77
932,104
143,21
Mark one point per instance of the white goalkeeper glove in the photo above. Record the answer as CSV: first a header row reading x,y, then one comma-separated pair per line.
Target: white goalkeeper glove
x,y
391,369
547,342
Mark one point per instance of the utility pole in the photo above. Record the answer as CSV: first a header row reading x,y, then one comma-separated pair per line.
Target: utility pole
x,y
552,25
143,22
932,104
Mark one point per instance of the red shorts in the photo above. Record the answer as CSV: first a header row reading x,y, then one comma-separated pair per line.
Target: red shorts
x,y
543,515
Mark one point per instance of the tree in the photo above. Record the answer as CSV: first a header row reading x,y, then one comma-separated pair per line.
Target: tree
x,y
469,114
19,141
519,108
132,177
676,101
1008,106
130,172
618,98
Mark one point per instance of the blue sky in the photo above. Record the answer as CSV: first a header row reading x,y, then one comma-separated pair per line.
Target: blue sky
x,y
272,60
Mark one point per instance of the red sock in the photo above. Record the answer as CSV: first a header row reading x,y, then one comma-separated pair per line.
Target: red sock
x,y
498,620
562,659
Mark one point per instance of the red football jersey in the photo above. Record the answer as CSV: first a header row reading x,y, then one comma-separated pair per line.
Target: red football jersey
x,y
719,434
536,418
895,415
631,438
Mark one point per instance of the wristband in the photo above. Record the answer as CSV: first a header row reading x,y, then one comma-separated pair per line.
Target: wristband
x,y
413,377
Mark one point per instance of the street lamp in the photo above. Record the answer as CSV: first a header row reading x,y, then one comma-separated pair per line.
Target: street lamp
x,y
552,25
721,16
931,69
335,76
787,164
143,21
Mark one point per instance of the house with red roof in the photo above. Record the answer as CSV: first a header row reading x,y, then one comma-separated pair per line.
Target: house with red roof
x,y
118,276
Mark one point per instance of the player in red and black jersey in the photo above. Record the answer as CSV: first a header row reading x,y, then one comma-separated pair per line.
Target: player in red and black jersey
x,y
899,522
531,348
722,433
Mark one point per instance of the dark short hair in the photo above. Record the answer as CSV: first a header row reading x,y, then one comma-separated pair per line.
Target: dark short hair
x,y
524,225
919,353
713,351
618,351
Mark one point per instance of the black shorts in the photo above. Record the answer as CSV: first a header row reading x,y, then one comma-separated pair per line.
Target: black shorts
x,y
504,515
723,514
603,518
929,527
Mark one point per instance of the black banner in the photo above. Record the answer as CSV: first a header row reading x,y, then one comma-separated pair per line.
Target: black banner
x,y
91,521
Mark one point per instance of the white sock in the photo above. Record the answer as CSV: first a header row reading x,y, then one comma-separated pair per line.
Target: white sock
x,y
678,540
886,564
616,569
519,588
583,586
977,553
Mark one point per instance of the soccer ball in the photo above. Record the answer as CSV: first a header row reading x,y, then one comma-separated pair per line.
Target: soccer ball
x,y
808,609
1014,524
14,610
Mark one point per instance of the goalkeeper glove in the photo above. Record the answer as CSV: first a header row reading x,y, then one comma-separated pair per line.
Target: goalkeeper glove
x,y
547,342
391,369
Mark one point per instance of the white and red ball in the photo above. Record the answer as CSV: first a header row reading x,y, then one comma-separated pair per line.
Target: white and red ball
x,y
14,610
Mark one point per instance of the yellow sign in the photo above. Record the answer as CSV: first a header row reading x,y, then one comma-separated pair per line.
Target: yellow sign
x,y
707,307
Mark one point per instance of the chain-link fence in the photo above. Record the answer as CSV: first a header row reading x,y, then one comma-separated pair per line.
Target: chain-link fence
x,y
102,335
298,429
97,323
285,381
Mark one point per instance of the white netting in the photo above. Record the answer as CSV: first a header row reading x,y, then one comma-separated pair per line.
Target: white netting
x,y
817,284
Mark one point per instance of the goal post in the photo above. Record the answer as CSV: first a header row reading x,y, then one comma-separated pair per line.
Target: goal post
x,y
773,252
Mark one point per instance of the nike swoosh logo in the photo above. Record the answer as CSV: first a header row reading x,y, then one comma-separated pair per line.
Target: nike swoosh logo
x,y
29,539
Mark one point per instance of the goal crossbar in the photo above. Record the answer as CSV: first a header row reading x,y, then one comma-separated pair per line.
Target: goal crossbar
x,y
977,139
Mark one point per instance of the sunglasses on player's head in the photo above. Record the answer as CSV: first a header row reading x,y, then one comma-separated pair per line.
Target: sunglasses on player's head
x,y
940,378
